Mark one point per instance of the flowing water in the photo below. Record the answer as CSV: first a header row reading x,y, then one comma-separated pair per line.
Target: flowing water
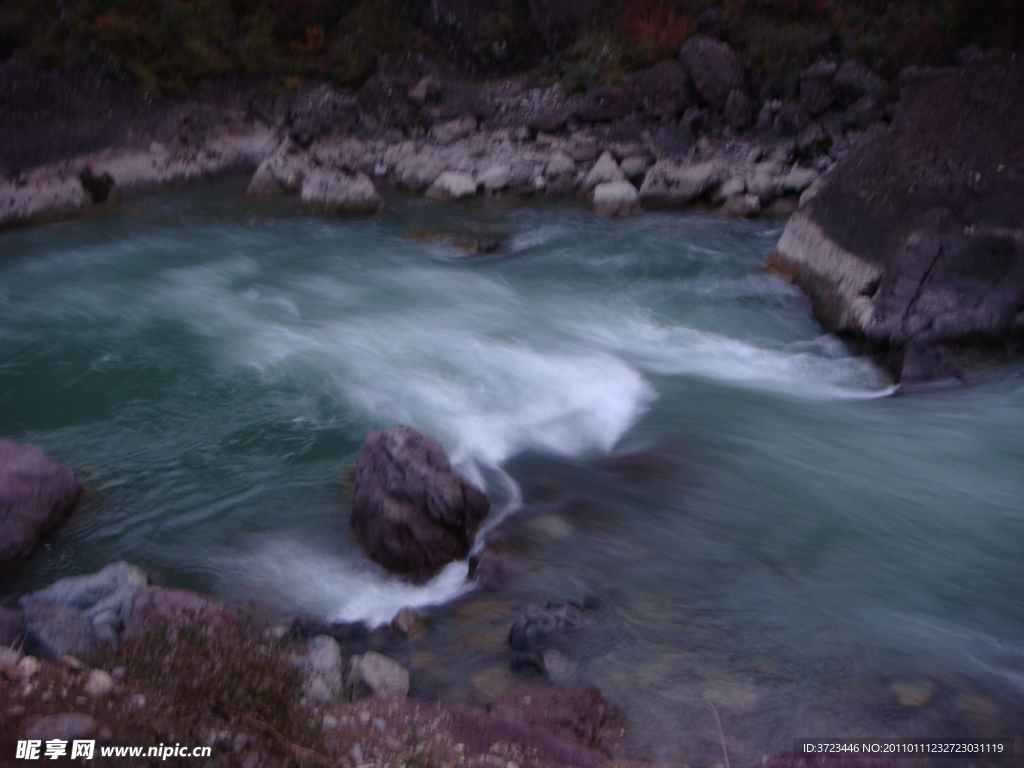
x,y
751,516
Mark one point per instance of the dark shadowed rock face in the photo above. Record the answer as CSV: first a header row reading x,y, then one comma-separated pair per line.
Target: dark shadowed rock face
x,y
714,68
914,243
412,512
36,493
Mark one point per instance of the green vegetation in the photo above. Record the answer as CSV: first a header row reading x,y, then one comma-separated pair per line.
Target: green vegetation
x,y
169,45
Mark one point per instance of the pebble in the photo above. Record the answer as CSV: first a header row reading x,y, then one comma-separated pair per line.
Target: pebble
x,y
379,724
118,673
98,684
330,721
138,701
356,753
29,665
364,717
240,742
14,712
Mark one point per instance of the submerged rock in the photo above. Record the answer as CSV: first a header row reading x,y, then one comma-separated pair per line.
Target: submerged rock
x,y
374,674
36,494
540,624
413,512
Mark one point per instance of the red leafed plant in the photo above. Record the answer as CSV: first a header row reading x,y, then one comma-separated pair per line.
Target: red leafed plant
x,y
661,25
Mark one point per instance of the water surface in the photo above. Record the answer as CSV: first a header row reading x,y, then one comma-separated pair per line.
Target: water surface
x,y
750,515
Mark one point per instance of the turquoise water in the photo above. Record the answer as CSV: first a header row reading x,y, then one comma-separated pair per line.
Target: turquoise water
x,y
752,517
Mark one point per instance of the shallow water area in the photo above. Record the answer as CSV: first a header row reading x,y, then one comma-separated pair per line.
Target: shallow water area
x,y
751,517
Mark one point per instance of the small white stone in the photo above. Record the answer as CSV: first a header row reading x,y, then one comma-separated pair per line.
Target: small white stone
x,y
98,684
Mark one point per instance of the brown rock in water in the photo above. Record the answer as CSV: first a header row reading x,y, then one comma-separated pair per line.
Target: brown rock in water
x,y
36,494
412,512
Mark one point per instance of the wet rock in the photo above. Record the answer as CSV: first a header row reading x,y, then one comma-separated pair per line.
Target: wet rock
x,y
409,623
912,693
670,182
816,91
12,628
452,185
412,512
558,668
36,494
580,714
339,193
616,198
55,629
714,68
373,674
538,625
604,170
279,173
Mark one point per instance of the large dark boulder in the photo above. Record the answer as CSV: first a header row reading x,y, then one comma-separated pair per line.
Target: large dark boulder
x,y
914,243
714,68
412,512
36,494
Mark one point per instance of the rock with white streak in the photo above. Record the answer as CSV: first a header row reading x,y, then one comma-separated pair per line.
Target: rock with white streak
x,y
605,170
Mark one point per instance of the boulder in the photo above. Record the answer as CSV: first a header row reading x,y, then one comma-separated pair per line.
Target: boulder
x,y
36,494
452,185
713,67
604,170
912,244
416,172
279,173
797,180
413,512
616,198
340,193
671,182
816,91
374,674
